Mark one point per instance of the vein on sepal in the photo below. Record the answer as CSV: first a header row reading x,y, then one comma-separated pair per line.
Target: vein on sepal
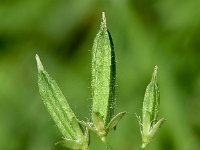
x,y
57,105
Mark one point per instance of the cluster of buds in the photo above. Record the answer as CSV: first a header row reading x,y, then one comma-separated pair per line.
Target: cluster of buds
x,y
103,96
103,85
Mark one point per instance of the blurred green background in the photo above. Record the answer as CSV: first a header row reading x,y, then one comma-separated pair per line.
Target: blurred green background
x,y
145,33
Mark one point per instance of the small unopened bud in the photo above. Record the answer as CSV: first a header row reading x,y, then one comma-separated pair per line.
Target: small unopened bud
x,y
149,123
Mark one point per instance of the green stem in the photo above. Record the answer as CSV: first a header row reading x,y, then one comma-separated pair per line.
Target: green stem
x,y
108,147
85,148
142,147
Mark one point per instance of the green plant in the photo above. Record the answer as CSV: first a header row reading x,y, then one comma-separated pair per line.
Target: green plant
x,y
76,132
149,124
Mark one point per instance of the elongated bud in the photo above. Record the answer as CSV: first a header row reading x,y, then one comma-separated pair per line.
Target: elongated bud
x,y
103,74
59,109
150,110
103,84
151,101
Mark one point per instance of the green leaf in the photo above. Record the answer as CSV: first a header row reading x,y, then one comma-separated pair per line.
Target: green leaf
x,y
103,74
156,126
58,106
114,121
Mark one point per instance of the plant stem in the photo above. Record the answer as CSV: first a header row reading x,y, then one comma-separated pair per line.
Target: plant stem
x,y
108,147
142,147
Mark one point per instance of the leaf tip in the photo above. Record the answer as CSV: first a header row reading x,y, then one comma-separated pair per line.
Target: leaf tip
x,y
39,63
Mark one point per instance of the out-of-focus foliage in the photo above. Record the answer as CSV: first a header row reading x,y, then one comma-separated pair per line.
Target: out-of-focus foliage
x,y
145,33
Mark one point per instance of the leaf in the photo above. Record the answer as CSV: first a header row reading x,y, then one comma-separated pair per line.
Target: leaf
x,y
103,73
156,127
58,106
114,121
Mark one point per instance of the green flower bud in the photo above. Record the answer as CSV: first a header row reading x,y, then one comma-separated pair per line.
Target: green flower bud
x,y
103,84
103,74
60,110
150,110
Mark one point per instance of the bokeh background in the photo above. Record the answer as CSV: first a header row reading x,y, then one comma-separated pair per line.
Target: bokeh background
x,y
145,33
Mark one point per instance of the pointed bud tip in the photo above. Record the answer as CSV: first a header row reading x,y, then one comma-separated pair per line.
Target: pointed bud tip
x,y
103,21
155,72
39,64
